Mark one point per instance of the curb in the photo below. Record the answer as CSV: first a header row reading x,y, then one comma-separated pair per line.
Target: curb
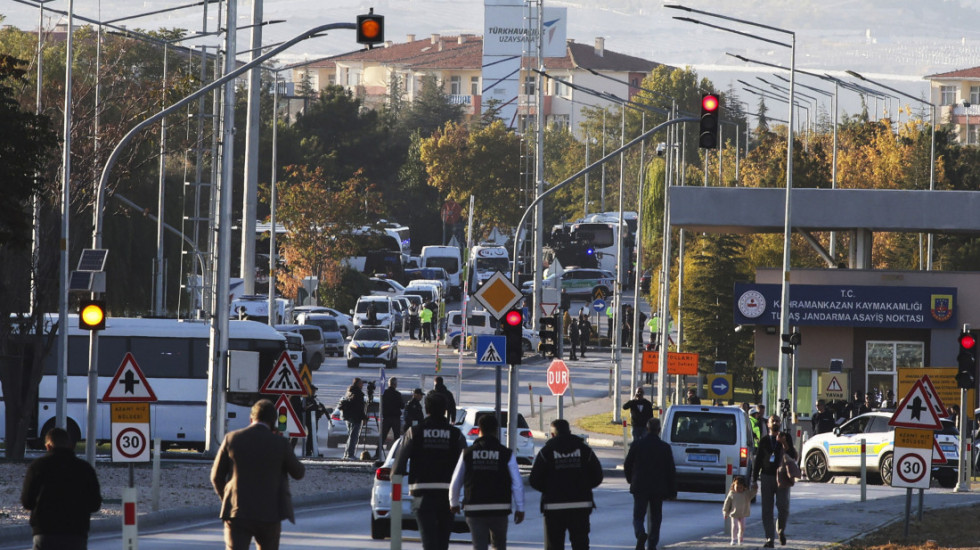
x,y
154,520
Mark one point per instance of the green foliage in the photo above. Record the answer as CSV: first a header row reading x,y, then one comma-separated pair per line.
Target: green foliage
x,y
342,295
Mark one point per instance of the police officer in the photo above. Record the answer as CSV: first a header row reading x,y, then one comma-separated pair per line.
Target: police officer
x,y
413,410
488,473
565,471
433,447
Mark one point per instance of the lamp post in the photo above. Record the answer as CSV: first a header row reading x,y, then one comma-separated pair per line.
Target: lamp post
x,y
787,224
932,147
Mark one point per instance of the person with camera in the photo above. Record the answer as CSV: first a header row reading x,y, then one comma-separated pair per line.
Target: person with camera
x,y
354,411
768,458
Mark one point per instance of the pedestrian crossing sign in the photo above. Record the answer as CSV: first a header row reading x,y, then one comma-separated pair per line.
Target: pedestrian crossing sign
x,y
489,349
284,378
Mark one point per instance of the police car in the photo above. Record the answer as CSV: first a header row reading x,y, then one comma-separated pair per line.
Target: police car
x,y
839,452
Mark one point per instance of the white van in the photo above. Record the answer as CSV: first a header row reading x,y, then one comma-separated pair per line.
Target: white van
x,y
383,307
481,322
450,259
703,440
429,292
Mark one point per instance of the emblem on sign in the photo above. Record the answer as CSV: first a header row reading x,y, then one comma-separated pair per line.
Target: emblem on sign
x,y
752,304
941,307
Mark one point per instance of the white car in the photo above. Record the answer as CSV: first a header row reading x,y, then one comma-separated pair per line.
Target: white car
x,y
383,308
372,345
468,417
480,322
386,287
381,499
840,451
343,320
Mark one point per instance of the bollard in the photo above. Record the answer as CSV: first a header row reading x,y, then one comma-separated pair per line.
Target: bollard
x,y
396,511
571,389
530,391
626,446
130,530
155,481
610,381
729,477
540,413
864,471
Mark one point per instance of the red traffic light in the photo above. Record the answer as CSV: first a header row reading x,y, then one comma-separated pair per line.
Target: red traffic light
x,y
709,102
514,318
967,341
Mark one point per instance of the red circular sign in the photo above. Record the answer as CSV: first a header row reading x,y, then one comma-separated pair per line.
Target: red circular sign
x,y
911,468
451,212
558,377
130,442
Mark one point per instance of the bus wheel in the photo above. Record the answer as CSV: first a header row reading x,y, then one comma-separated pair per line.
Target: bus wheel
x,y
74,432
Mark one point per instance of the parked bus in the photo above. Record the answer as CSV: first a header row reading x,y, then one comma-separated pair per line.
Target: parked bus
x,y
173,354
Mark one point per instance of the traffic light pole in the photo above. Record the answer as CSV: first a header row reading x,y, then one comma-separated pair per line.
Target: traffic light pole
x,y
519,240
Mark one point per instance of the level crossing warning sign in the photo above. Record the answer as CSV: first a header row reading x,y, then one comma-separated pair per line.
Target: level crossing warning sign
x,y
128,384
284,378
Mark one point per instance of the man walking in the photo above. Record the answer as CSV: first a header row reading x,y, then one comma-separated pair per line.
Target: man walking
x,y
768,458
584,333
565,471
391,413
413,410
249,474
650,471
62,492
573,336
488,473
441,389
641,411
433,447
352,407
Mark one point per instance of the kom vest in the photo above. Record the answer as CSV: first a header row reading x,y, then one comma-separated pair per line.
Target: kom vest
x,y
565,471
487,483
436,446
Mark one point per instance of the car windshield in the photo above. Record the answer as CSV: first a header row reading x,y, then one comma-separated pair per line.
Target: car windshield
x,y
521,423
327,324
381,305
372,335
492,264
311,334
424,293
451,265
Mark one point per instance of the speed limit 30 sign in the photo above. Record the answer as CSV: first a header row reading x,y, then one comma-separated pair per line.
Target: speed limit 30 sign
x,y
130,432
912,468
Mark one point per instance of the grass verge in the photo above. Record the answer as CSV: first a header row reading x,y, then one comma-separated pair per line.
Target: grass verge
x,y
600,423
951,528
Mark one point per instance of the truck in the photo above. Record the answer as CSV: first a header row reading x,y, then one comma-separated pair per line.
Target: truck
x,y
450,259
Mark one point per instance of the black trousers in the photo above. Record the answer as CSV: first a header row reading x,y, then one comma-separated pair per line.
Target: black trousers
x,y
435,519
392,424
575,522
656,507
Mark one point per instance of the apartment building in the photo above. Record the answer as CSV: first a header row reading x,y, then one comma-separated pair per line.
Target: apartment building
x,y
957,97
456,62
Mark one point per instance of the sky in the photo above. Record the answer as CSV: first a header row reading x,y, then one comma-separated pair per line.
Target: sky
x,y
896,42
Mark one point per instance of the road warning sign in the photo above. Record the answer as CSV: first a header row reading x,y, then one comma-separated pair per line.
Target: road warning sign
x,y
916,410
833,385
286,420
128,384
284,378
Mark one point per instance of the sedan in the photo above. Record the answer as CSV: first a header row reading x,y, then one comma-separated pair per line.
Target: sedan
x,y
579,282
372,345
467,419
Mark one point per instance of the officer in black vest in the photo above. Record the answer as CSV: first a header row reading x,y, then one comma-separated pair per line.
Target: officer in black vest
x,y
565,471
433,447
488,473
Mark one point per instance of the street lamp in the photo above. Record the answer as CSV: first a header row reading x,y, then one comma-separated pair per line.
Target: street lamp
x,y
932,147
787,226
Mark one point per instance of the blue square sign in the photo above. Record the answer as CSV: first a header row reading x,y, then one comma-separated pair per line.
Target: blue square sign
x,y
490,349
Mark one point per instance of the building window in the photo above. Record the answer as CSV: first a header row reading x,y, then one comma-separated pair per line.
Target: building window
x,y
529,82
947,95
974,95
475,85
563,90
882,361
455,85
560,122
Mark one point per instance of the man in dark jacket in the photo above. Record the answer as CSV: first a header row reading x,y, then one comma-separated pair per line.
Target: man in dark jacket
x,y
433,447
488,476
573,336
414,414
641,410
823,419
61,491
441,389
768,457
650,471
565,471
355,415
391,413
584,333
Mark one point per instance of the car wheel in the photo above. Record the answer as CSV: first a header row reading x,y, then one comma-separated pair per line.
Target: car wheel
x,y
885,468
351,364
393,364
455,343
946,478
380,528
816,467
526,344
316,362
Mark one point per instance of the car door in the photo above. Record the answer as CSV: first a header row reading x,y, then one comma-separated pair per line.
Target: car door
x,y
879,438
844,448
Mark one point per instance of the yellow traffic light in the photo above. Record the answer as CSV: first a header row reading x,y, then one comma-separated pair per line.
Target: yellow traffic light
x,y
91,315
370,29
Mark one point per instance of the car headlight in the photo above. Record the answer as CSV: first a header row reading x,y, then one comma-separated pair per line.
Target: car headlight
x,y
384,347
353,345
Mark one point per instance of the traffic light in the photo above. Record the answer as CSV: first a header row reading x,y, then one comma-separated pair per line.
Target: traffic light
x,y
548,332
708,133
791,341
91,314
513,328
967,360
370,29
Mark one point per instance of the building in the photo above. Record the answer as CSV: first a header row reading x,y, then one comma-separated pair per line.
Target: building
x,y
456,62
957,97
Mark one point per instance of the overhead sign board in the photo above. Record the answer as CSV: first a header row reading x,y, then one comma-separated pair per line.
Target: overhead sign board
x,y
129,384
498,295
677,363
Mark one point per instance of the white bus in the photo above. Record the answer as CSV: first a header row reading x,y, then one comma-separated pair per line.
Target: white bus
x,y
484,262
173,355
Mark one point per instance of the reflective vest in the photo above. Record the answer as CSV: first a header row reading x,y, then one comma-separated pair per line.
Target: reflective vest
x,y
487,483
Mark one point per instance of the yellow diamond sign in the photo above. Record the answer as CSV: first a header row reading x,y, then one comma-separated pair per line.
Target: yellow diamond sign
x,y
498,295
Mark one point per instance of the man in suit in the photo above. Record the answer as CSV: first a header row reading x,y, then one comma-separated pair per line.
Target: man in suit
x,y
650,471
249,474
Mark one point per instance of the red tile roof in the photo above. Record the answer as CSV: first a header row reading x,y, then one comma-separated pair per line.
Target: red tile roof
x,y
972,73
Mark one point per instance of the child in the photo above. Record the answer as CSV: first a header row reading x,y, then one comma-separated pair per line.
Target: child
x,y
737,506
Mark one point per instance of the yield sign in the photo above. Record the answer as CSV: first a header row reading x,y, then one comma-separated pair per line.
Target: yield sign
x,y
128,384
558,377
916,410
284,378
286,420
